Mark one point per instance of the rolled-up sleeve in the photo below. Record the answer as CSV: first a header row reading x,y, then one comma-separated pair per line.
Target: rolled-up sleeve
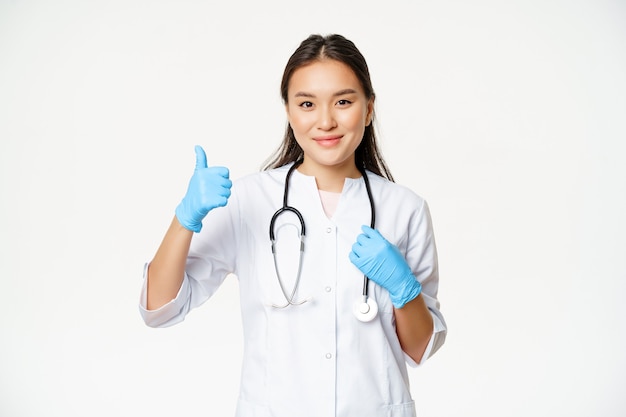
x,y
211,259
170,313
436,341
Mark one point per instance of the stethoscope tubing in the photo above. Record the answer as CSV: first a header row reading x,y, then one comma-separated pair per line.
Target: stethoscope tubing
x,y
287,208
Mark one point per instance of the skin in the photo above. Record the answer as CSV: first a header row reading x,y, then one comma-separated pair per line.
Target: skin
x,y
328,112
167,268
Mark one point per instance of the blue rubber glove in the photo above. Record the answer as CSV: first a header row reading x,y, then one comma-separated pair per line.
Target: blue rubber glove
x,y
208,188
383,263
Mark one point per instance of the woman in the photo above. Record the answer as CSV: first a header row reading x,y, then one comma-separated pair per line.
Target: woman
x,y
305,352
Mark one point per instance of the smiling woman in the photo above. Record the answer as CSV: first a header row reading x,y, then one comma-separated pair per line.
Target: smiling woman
x,y
337,50
308,353
328,112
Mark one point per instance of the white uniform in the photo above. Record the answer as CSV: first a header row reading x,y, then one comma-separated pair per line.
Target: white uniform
x,y
315,359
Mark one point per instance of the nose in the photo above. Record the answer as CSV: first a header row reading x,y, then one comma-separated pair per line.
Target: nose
x,y
326,120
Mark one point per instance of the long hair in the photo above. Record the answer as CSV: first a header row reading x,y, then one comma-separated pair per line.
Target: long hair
x,y
338,48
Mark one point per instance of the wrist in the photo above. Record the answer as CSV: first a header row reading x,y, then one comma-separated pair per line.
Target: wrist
x,y
409,289
184,221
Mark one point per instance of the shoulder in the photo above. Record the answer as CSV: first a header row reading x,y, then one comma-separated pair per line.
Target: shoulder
x,y
402,216
392,192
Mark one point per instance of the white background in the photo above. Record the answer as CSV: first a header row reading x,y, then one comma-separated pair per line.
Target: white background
x,y
508,117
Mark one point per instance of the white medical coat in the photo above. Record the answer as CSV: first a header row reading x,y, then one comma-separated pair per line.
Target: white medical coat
x,y
315,359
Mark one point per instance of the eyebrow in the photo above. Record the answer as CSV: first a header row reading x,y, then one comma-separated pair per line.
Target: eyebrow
x,y
338,93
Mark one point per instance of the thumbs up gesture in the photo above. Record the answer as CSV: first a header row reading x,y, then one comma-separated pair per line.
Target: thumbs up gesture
x,y
208,188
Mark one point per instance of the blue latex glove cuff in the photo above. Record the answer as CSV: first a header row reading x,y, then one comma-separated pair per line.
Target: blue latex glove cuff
x,y
410,290
185,220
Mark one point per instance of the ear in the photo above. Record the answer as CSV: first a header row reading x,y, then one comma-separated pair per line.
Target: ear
x,y
369,116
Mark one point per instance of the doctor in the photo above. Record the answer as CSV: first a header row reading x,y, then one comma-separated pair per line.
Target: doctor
x,y
305,353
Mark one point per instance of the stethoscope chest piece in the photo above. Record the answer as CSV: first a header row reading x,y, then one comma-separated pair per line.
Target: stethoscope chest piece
x,y
365,310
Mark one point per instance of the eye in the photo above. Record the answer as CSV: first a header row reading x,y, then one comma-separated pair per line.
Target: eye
x,y
306,104
344,102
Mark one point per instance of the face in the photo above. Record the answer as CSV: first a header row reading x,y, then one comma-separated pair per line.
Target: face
x,y
328,112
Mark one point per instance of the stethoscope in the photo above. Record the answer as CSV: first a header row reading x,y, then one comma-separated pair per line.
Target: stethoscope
x,y
365,308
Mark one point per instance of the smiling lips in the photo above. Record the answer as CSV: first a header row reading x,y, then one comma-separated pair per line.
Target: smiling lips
x,y
327,141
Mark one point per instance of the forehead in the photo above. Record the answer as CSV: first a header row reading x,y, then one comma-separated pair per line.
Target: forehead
x,y
323,77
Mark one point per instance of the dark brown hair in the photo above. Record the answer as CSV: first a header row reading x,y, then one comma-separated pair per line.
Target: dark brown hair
x,y
338,48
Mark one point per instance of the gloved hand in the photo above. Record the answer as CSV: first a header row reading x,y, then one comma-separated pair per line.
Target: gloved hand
x,y
208,188
383,263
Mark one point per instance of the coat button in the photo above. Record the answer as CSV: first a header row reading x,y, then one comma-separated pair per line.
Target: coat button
x,y
328,289
328,230
329,355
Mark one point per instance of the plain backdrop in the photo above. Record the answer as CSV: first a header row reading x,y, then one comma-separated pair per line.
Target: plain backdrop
x,y
507,116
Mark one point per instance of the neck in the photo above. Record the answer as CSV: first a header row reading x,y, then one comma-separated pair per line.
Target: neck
x,y
329,178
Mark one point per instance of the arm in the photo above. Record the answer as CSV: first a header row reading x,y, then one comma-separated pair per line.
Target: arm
x,y
414,326
166,271
383,263
420,253
208,188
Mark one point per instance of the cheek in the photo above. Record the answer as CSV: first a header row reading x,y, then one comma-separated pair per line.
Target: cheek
x,y
301,122
354,120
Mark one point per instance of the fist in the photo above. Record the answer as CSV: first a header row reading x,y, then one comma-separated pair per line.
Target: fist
x,y
208,188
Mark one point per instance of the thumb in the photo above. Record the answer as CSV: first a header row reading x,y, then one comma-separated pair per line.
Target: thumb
x,y
200,157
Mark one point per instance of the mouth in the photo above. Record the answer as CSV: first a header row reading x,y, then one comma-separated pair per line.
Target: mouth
x,y
327,141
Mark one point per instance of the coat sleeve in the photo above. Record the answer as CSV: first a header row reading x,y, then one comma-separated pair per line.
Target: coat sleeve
x,y
422,258
211,259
